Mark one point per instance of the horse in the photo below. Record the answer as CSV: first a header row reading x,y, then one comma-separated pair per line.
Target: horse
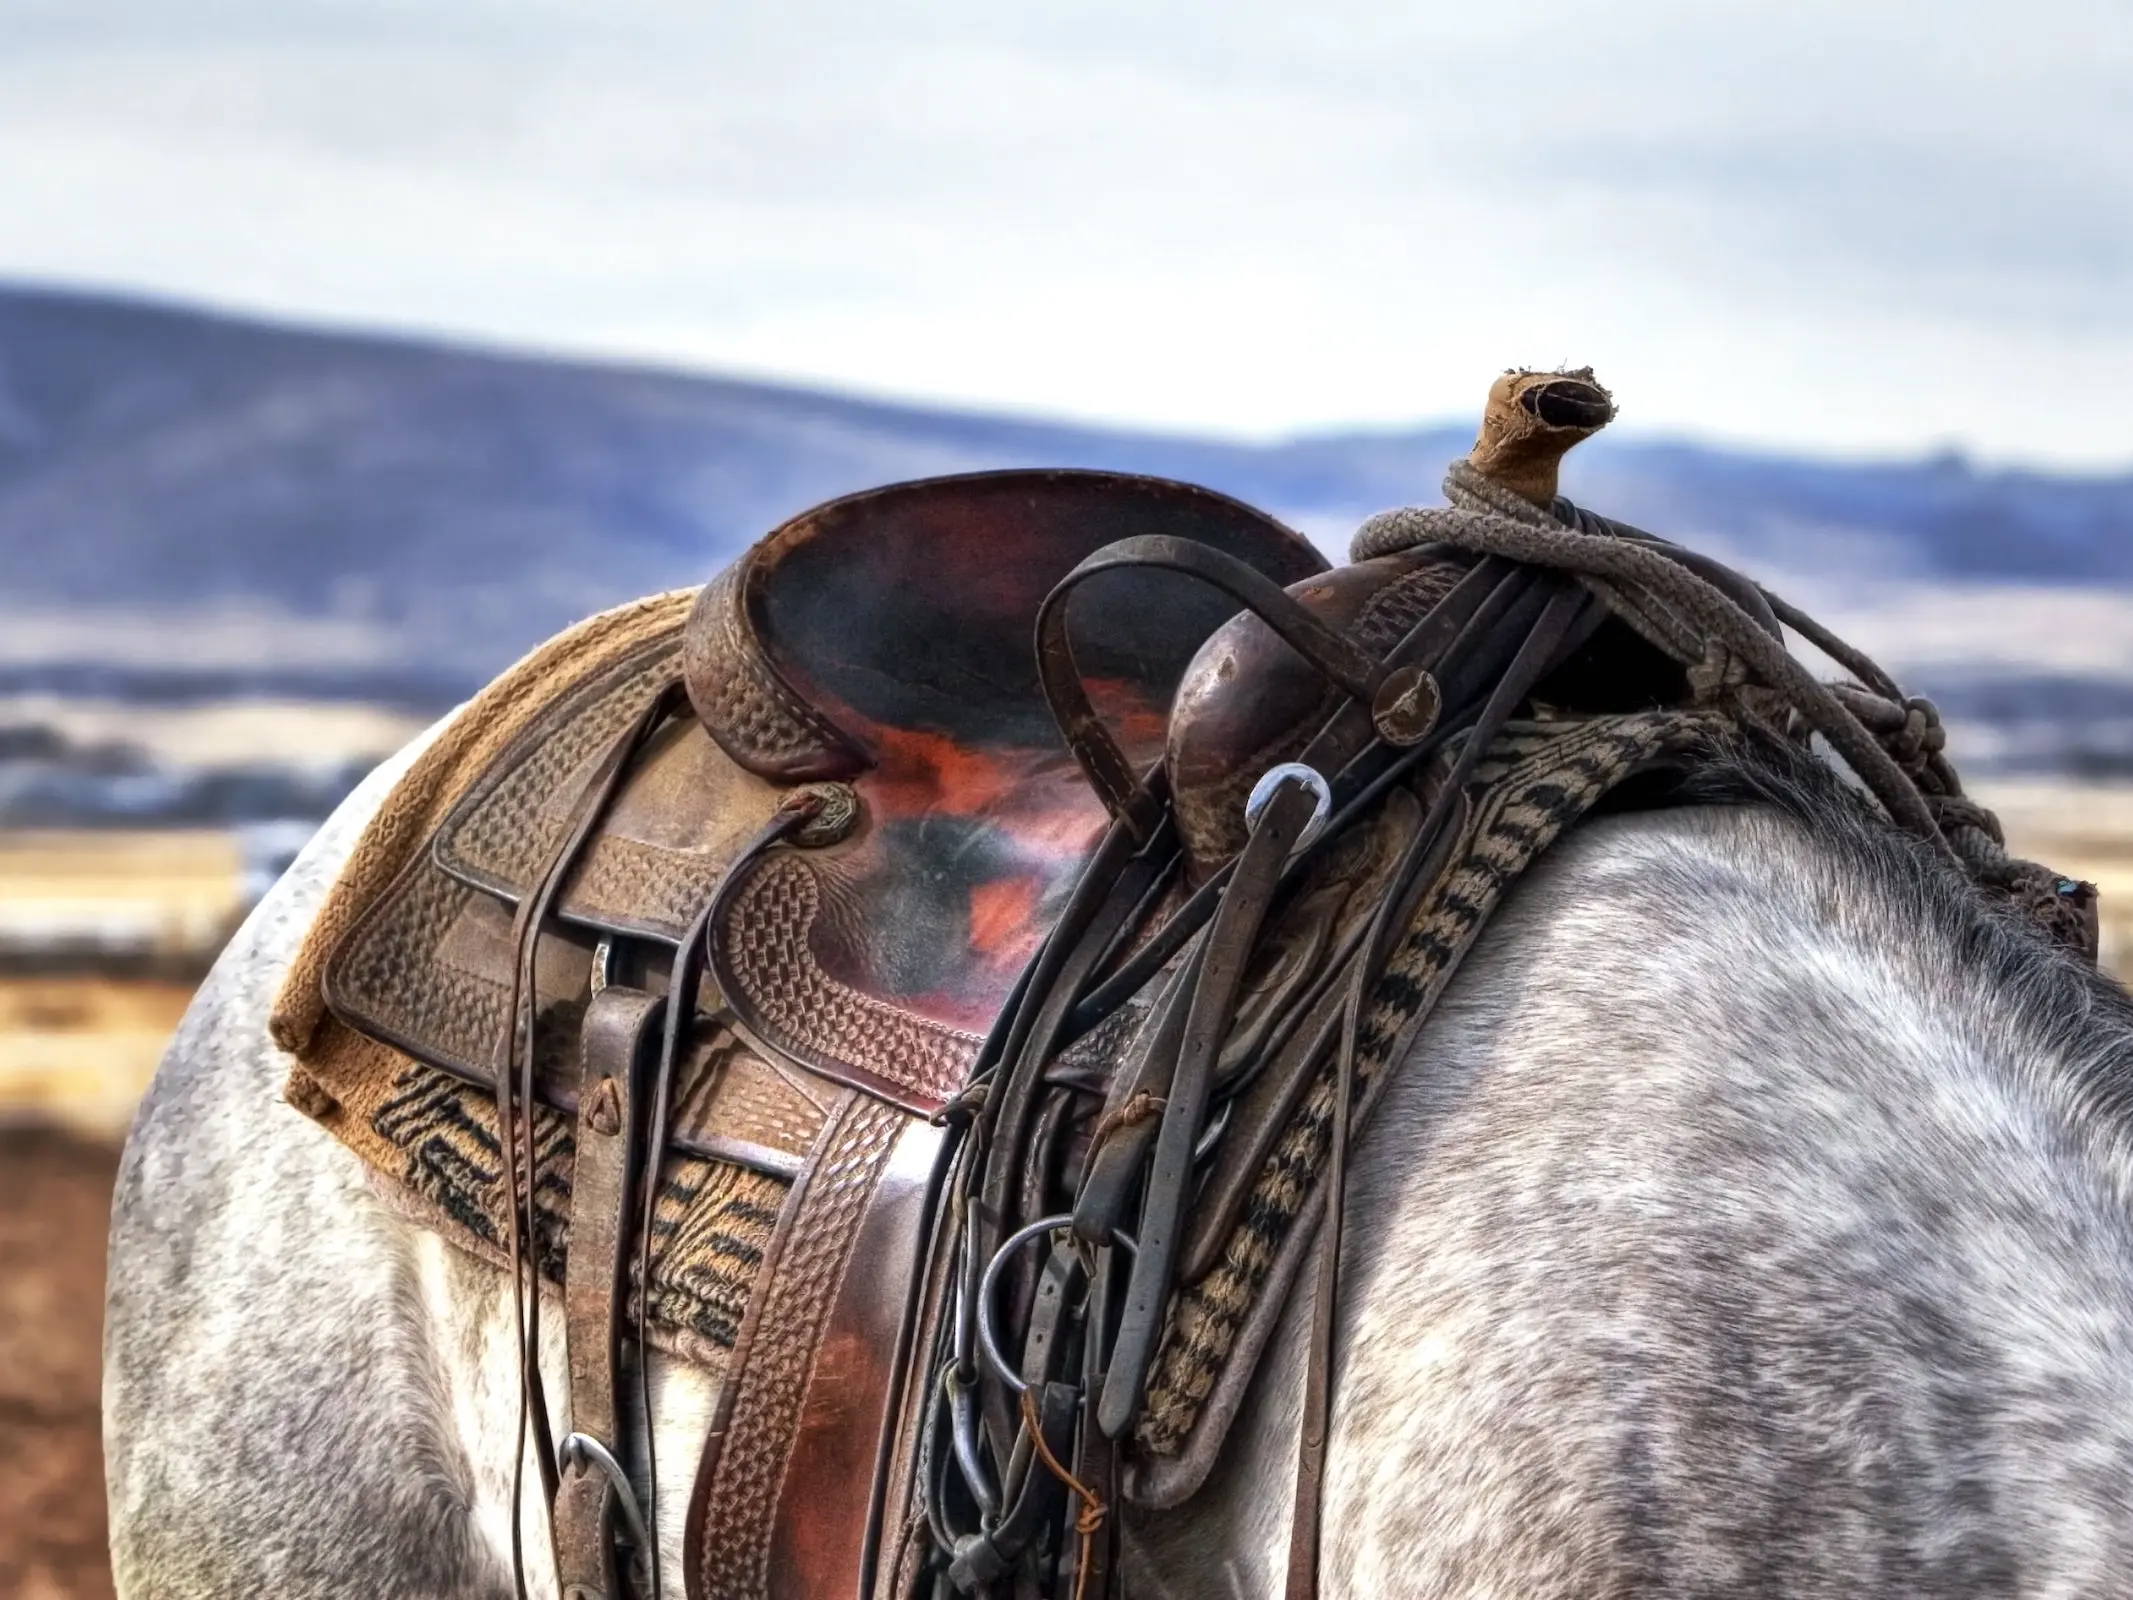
x,y
1752,1215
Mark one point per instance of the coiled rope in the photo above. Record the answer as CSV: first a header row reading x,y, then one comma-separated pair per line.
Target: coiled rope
x,y
1894,743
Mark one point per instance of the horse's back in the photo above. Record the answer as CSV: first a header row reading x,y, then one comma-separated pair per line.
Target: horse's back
x,y
1712,1237
1716,1236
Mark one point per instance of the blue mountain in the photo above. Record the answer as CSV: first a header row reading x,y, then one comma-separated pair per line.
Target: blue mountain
x,y
163,470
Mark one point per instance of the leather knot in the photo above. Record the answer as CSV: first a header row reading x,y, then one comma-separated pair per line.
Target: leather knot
x,y
1137,1108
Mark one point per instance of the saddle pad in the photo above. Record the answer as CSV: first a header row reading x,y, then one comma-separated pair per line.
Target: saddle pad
x,y
431,1138
1537,780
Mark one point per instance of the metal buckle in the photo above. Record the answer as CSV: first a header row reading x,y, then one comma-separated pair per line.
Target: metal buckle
x,y
581,1449
1270,783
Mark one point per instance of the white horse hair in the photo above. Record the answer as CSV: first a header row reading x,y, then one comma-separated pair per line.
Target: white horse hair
x,y
1753,1217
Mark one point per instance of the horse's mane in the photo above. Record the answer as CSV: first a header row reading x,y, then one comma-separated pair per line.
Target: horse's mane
x,y
1975,948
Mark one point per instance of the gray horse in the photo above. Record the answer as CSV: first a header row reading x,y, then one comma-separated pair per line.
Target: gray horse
x,y
1753,1217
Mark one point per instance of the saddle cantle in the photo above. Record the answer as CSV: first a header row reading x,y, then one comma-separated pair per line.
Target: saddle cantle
x,y
936,981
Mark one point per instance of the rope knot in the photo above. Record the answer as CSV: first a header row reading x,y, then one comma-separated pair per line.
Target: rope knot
x,y
1918,736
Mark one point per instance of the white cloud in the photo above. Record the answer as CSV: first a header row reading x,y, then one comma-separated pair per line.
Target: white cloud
x,y
1842,226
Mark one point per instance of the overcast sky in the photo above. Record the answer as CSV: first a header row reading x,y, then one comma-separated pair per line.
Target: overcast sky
x,y
1837,224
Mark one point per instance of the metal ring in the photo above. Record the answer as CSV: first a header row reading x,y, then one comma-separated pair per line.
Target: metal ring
x,y
988,1346
580,1448
1270,783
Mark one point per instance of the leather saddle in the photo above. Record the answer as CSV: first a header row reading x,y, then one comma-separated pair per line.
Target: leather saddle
x,y
1013,868
836,806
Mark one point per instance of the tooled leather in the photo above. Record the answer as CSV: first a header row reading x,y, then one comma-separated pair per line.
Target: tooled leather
x,y
401,979
637,888
679,818
752,713
501,834
396,979
732,1093
687,794
740,1503
780,991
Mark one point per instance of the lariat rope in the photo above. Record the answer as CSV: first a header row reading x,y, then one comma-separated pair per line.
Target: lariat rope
x,y
1870,724
1893,742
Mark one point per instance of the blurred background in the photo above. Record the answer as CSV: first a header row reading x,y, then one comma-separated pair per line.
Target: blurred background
x,y
350,347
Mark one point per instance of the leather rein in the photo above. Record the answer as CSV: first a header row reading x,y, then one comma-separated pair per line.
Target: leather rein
x,y
1022,1446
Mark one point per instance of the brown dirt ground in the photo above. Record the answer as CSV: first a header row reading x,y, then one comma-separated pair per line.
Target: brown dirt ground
x,y
55,1207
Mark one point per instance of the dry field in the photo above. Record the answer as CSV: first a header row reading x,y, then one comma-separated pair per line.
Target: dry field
x,y
55,1194
101,934
78,1049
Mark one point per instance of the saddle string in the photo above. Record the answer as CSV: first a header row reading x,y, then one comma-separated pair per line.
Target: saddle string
x,y
682,980
1090,1519
1547,619
516,1102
